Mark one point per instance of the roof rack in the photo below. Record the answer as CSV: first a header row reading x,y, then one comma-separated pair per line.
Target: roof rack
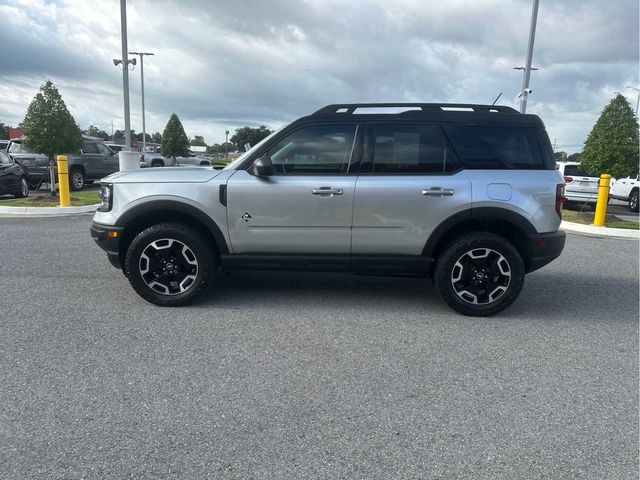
x,y
350,108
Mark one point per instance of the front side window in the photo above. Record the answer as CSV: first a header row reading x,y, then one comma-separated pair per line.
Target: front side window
x,y
104,150
5,159
408,148
315,149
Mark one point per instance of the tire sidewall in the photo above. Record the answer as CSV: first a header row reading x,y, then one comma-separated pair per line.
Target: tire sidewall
x,y
471,241
633,199
191,238
21,183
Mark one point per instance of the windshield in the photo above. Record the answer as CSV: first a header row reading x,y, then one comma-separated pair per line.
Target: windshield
x,y
244,156
15,147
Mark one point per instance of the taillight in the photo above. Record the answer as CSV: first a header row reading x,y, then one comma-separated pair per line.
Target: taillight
x,y
560,199
568,179
142,157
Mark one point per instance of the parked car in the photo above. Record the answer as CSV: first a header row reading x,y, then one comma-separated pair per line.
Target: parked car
x,y
581,188
155,159
626,189
14,179
3,145
116,147
469,197
94,161
36,164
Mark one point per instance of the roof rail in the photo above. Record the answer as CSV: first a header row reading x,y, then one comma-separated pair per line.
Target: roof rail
x,y
350,108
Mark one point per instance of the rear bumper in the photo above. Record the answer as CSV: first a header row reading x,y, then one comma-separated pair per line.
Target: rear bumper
x,y
108,244
544,248
581,196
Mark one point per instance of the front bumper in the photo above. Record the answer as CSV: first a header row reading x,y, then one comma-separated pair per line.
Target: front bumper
x,y
109,244
544,248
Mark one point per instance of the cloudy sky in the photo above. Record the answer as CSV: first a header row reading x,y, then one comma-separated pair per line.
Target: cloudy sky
x,y
223,64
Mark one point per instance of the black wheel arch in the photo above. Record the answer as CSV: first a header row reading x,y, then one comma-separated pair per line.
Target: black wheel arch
x,y
506,223
158,211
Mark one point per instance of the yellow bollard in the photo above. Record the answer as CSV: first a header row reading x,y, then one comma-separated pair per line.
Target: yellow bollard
x,y
603,197
63,181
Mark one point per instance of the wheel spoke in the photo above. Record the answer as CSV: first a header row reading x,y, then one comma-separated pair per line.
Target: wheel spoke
x,y
168,266
481,276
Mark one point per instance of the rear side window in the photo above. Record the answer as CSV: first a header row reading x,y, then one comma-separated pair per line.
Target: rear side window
x,y
408,148
89,147
497,147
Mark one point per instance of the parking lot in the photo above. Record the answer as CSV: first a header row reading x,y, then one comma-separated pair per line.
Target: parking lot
x,y
288,375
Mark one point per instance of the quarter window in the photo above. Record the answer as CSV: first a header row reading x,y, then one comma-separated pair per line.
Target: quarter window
x,y
405,148
317,149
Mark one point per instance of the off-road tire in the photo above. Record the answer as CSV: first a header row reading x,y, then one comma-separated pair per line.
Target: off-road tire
x,y
472,241
191,238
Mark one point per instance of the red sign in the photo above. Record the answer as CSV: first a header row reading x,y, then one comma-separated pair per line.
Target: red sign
x,y
14,133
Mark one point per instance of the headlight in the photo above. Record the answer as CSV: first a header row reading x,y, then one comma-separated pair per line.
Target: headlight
x,y
106,198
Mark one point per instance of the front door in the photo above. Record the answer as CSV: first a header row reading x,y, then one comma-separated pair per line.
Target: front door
x,y
305,208
110,161
409,184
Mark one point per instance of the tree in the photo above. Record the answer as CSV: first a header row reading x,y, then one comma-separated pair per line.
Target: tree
x,y
574,157
156,138
560,156
249,135
175,142
49,128
612,145
118,136
4,131
198,141
146,135
94,131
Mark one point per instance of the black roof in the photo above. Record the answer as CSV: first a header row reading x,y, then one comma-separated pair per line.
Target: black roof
x,y
468,114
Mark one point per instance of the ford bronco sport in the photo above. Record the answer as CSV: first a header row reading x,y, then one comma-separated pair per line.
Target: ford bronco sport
x,y
465,194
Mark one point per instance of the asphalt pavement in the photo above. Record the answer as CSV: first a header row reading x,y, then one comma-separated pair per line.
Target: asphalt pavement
x,y
303,376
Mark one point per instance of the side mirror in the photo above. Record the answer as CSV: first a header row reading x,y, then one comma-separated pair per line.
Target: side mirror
x,y
262,167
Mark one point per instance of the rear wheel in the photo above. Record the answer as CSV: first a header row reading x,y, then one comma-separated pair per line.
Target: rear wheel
x,y
633,201
169,264
23,188
479,274
157,163
76,179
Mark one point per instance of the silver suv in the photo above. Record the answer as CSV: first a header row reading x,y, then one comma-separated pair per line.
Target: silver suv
x,y
465,194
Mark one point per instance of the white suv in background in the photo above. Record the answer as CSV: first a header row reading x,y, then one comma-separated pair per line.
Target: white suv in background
x,y
626,189
580,187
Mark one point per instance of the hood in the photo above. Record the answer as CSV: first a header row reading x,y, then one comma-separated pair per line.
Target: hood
x,y
164,175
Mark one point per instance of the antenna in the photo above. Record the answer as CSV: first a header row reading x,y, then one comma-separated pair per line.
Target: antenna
x,y
494,102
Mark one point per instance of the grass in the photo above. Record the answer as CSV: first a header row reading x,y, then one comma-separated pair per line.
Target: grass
x,y
586,218
83,197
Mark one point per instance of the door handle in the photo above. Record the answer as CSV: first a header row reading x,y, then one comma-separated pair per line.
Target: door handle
x,y
327,191
438,192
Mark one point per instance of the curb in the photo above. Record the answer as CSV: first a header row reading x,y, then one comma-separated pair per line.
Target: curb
x,y
46,211
600,231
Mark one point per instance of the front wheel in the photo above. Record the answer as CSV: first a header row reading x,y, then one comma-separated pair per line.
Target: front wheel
x,y
633,201
23,188
479,274
169,264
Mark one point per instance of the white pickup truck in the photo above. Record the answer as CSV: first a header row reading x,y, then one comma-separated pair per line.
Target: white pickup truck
x,y
155,159
626,189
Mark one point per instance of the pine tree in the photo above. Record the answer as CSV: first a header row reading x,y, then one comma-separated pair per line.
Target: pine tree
x,y
612,145
175,142
49,128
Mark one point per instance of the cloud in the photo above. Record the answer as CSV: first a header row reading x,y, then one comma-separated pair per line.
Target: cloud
x,y
224,65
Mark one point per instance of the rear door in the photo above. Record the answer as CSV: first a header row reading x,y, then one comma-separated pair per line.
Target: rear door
x,y
305,208
410,182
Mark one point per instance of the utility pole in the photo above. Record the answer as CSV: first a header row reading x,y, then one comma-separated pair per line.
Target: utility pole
x,y
125,74
527,69
637,101
226,145
144,131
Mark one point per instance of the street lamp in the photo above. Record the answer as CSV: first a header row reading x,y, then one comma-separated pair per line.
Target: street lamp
x,y
144,132
524,93
125,74
637,101
226,145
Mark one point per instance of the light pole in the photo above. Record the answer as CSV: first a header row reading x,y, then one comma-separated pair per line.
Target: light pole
x,y
144,132
637,101
125,74
524,93
226,145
